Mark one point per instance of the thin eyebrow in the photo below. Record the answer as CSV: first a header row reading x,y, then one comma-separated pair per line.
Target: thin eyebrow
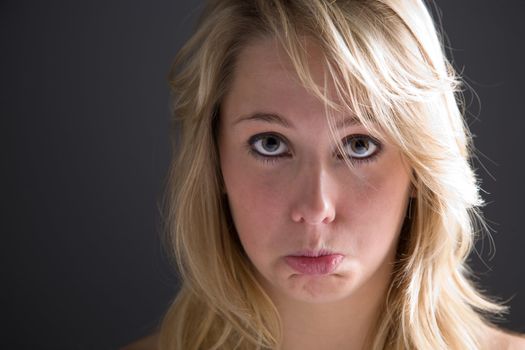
x,y
273,118
265,117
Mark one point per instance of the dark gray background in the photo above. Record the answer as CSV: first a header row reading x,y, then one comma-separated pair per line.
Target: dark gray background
x,y
85,148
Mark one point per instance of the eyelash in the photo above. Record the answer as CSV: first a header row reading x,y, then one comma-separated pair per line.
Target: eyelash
x,y
275,159
265,159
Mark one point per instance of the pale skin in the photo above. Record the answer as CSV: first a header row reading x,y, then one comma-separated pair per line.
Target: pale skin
x,y
308,199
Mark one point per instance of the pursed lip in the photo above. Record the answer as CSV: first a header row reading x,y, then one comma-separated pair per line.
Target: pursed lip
x,y
314,253
310,262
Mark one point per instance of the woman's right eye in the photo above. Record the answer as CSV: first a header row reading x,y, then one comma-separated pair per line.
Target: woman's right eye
x,y
269,145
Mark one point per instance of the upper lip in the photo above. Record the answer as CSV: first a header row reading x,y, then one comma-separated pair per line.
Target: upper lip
x,y
314,253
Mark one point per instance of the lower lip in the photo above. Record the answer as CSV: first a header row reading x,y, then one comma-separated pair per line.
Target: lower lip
x,y
309,265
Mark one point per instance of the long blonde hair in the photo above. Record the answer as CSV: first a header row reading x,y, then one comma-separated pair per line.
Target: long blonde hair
x,y
388,65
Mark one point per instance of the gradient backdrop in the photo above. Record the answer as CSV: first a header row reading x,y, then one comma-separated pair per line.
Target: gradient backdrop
x,y
85,148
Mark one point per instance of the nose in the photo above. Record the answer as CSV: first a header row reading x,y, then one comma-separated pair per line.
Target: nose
x,y
313,203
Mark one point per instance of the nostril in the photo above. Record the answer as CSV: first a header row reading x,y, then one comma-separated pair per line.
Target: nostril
x,y
325,216
296,217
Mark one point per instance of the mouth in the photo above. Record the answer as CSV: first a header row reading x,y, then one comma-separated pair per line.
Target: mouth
x,y
314,262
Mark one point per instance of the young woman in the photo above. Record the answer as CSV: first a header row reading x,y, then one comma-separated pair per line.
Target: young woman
x,y
322,195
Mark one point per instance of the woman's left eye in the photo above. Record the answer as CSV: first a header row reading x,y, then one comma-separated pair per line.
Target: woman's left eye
x,y
360,147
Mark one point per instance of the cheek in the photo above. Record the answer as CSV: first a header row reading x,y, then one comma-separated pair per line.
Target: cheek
x,y
257,204
378,212
250,192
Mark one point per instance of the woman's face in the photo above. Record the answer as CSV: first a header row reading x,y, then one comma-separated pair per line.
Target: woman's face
x,y
314,229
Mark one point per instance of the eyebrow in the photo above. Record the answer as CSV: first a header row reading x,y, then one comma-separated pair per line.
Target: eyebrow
x,y
273,118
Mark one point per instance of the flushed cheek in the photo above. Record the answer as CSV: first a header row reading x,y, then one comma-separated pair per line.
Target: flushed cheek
x,y
258,208
257,193
265,214
378,218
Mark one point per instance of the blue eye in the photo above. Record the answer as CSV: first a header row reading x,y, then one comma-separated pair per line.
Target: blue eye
x,y
360,146
269,145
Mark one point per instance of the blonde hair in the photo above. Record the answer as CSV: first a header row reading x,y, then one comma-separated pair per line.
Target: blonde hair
x,y
387,62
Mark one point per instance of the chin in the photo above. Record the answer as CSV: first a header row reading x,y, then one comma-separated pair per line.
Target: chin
x,y
319,288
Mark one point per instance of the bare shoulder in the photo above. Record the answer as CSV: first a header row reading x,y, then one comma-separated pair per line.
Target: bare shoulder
x,y
149,342
503,339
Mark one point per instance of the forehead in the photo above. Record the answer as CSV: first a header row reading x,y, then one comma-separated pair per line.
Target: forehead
x,y
265,80
265,77
266,61
267,54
